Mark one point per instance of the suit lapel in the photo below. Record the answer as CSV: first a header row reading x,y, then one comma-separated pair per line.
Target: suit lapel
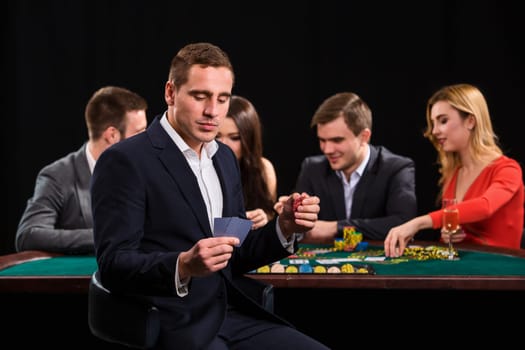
x,y
364,184
336,194
219,162
82,185
178,168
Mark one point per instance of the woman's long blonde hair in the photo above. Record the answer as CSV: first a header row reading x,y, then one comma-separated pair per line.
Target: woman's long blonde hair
x,y
469,101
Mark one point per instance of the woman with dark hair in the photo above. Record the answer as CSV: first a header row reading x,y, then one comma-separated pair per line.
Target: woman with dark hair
x,y
242,132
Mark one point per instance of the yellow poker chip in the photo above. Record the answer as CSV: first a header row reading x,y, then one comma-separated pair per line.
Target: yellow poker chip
x,y
264,269
347,268
339,244
292,269
319,269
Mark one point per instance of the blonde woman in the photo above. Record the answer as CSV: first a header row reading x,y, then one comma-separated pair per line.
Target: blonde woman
x,y
487,184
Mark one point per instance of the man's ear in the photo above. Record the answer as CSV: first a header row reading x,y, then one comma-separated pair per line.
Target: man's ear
x,y
169,93
365,135
111,135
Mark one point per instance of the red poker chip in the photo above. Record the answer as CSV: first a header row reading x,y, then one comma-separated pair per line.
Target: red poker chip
x,y
297,202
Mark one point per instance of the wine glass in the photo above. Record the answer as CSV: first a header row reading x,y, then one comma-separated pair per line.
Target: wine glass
x,y
450,222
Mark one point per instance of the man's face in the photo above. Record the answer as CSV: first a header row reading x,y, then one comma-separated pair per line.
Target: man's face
x,y
342,148
200,105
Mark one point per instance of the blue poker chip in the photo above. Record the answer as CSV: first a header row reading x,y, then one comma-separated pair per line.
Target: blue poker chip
x,y
361,246
305,268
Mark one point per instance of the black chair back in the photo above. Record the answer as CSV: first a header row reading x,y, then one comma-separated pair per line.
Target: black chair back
x,y
123,319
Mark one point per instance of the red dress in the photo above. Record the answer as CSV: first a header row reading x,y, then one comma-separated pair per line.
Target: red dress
x,y
491,212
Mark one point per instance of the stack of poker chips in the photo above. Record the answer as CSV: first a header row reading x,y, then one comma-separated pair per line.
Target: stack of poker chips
x,y
351,238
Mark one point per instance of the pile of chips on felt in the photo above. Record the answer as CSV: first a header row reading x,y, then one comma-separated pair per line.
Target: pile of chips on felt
x,y
351,239
427,253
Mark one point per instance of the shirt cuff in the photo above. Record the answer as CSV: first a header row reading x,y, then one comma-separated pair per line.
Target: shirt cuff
x,y
288,244
181,286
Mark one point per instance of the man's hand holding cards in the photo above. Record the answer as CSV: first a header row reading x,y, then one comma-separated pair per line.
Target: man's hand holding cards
x,y
232,226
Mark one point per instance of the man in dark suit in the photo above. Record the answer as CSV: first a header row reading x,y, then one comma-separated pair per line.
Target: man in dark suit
x,y
359,184
58,218
155,197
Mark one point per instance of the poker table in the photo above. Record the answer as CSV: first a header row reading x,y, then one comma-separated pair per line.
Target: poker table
x,y
478,268
481,268
390,295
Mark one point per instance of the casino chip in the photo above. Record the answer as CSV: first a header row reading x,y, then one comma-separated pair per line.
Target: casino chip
x,y
334,269
305,268
291,269
319,269
347,268
277,268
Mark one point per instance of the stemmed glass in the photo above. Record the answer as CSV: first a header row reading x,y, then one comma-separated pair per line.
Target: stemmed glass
x,y
450,222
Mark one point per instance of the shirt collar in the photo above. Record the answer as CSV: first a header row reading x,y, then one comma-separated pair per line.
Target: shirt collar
x,y
360,169
210,148
90,159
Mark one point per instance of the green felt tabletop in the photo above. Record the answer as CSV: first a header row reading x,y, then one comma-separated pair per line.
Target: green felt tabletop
x,y
56,266
470,263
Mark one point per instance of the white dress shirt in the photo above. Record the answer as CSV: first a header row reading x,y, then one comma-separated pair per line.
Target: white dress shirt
x,y
210,187
349,185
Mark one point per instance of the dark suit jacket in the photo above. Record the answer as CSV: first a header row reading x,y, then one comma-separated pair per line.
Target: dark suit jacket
x,y
58,217
384,197
147,208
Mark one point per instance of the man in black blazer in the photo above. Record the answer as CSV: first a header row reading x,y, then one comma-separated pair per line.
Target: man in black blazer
x,y
155,197
359,184
57,217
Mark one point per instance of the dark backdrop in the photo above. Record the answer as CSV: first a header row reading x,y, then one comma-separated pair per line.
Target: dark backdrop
x,y
287,61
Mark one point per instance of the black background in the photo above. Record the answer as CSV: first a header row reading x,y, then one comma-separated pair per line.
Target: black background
x,y
287,61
